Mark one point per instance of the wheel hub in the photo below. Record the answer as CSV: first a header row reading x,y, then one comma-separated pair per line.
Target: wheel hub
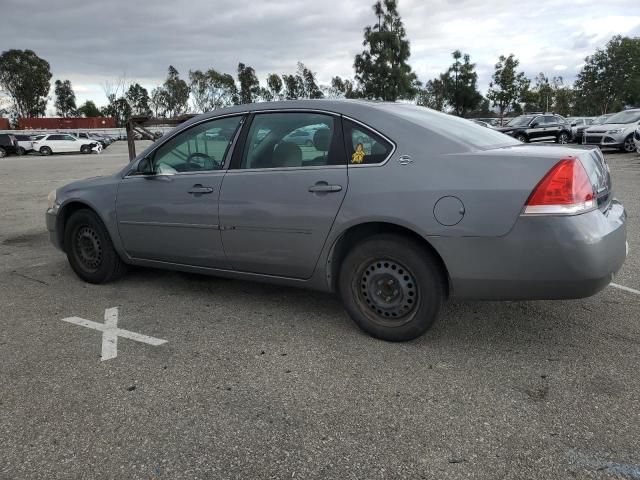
x,y
88,248
388,289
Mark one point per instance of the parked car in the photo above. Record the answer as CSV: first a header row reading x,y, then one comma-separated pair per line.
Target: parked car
x,y
481,123
538,128
597,121
25,143
636,139
576,122
396,207
8,145
616,132
94,137
303,136
493,122
63,143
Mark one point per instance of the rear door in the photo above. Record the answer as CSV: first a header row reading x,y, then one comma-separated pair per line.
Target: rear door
x,y
279,201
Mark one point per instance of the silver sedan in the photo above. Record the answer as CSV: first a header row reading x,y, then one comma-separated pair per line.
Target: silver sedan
x,y
395,207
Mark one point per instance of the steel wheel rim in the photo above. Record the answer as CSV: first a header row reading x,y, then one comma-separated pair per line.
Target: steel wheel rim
x,y
88,248
387,292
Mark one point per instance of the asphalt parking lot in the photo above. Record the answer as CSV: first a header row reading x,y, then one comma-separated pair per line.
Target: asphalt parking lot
x,y
258,381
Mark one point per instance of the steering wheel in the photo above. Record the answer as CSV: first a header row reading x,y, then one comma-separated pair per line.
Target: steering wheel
x,y
207,162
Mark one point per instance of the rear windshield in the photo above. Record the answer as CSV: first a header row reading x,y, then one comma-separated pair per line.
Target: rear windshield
x,y
625,117
455,128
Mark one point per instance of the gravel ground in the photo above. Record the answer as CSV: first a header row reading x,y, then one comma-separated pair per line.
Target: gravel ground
x,y
258,381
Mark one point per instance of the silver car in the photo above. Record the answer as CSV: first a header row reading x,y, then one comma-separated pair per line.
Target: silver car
x,y
616,132
396,207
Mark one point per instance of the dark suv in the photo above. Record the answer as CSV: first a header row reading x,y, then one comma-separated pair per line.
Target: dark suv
x,y
8,144
538,128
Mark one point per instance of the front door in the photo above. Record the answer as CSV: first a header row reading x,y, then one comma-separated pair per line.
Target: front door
x,y
171,214
279,201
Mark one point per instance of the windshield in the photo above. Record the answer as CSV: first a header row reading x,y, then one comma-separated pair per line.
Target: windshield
x,y
630,116
520,121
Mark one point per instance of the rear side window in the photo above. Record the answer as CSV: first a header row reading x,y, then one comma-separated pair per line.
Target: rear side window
x,y
56,137
363,146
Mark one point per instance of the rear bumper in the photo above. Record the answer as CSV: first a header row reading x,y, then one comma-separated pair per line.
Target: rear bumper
x,y
542,258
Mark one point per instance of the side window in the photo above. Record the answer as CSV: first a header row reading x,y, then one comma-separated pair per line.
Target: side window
x,y
364,146
200,148
70,138
539,120
550,120
292,139
55,137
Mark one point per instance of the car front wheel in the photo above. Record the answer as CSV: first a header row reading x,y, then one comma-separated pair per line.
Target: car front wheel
x,y
629,145
89,249
392,287
563,138
522,138
45,151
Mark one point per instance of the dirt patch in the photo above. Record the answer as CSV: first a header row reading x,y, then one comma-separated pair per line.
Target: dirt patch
x,y
36,239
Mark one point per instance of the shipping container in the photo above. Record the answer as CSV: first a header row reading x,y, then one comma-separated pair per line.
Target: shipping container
x,y
4,124
78,123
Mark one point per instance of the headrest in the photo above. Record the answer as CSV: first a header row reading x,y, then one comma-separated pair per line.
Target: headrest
x,y
321,139
287,154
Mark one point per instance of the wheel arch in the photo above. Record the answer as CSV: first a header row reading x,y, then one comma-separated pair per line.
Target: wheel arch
x,y
350,237
64,214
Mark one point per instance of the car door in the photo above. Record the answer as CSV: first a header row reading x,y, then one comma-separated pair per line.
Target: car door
x,y
279,200
537,129
169,210
552,127
70,144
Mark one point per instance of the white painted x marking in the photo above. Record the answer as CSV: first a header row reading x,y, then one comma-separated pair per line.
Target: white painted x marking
x,y
111,332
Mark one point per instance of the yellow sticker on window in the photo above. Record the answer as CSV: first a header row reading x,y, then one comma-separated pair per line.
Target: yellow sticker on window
x,y
358,155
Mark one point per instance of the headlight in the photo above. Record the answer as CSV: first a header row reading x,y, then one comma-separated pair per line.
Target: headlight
x,y
51,199
616,130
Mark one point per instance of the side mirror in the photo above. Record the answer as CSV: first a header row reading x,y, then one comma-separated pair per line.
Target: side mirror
x,y
573,124
144,167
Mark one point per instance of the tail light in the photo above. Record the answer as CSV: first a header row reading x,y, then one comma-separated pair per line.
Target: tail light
x,y
564,190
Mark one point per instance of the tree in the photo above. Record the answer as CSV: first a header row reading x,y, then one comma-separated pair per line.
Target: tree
x,y
382,71
89,109
117,108
158,102
610,78
26,79
138,98
340,88
211,90
249,84
562,97
507,87
309,86
65,99
293,87
460,83
274,85
176,93
433,95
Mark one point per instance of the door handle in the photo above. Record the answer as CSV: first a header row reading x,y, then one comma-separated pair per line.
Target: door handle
x,y
324,187
200,190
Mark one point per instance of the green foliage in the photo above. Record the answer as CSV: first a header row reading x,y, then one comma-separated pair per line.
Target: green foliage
x,y
274,85
433,94
249,84
211,90
89,109
65,99
117,108
460,85
341,88
610,78
138,98
26,79
176,96
381,69
508,87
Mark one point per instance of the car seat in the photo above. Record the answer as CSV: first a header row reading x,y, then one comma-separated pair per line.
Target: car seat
x,y
287,154
321,142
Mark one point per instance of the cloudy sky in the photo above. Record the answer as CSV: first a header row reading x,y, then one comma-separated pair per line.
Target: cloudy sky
x,y
93,42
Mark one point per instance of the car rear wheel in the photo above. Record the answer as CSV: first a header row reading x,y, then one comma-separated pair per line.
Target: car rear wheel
x,y
89,249
45,151
522,138
629,146
563,138
3,152
392,287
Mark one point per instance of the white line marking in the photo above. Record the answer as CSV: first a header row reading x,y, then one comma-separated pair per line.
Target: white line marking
x,y
111,332
626,289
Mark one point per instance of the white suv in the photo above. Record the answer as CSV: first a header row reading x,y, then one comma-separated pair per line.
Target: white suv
x,y
63,143
616,132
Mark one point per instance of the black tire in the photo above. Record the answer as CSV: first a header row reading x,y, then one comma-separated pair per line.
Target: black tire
x,y
20,151
628,146
392,287
563,138
3,152
85,149
90,250
45,151
522,137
